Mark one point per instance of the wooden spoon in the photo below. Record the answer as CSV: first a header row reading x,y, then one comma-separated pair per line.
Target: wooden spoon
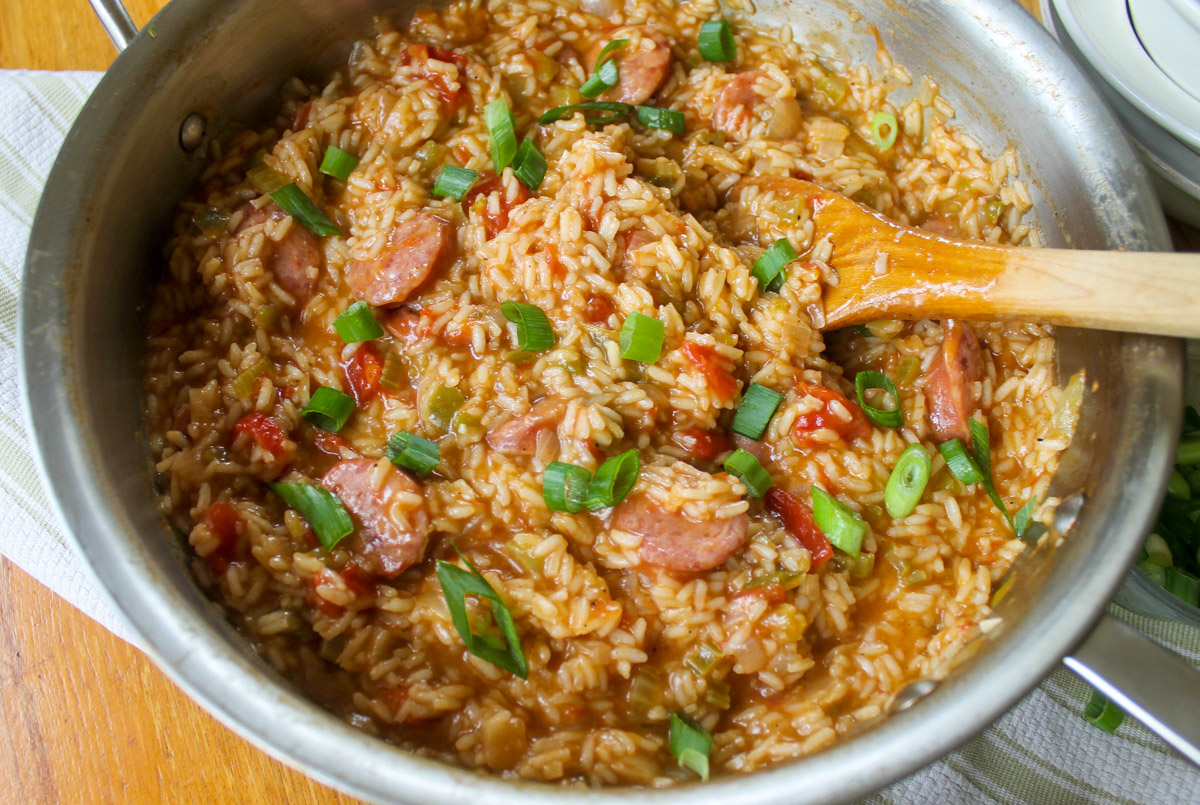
x,y
922,275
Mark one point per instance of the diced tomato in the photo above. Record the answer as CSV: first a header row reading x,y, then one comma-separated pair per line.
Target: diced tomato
x,y
771,593
704,358
359,581
798,519
806,425
599,308
363,372
222,520
493,222
315,599
265,432
702,445
420,54
328,442
301,119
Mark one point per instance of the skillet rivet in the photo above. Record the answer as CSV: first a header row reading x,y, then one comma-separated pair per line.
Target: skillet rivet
x,y
191,133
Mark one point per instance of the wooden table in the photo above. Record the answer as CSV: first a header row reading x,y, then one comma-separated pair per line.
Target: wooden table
x,y
84,717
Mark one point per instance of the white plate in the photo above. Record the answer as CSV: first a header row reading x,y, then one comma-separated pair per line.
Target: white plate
x,y
1104,34
1174,166
1170,40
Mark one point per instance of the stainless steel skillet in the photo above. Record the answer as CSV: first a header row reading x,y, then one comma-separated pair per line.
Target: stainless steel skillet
x,y
96,248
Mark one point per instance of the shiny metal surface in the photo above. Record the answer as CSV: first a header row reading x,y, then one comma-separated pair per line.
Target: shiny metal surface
x,y
116,21
96,247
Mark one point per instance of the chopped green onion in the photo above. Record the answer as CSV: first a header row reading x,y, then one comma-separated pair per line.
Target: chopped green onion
x,y
325,513
907,483
604,78
759,404
1189,451
690,744
844,527
1021,520
534,333
453,182
1182,585
863,330
865,381
641,338
444,402
981,445
292,200
357,323
611,47
457,583
747,469
529,165
884,130
961,465
338,163
328,408
716,41
768,269
502,133
1157,551
565,487
613,481
1178,487
655,117
243,384
614,112
1102,713
409,451
266,180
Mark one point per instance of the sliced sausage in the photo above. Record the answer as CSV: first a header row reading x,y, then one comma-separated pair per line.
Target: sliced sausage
x,y
391,522
641,68
519,436
415,249
950,385
739,105
406,324
672,541
294,261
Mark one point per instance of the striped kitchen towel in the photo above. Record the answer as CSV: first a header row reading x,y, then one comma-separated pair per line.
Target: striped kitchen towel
x,y
1041,752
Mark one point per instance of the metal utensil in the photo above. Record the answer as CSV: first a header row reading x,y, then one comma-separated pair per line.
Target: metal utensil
x,y
97,243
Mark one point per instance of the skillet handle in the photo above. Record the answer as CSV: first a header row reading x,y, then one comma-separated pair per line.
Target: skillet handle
x,y
116,21
1151,683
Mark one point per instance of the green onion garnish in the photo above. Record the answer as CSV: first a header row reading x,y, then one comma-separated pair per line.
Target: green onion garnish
x,y
604,78
328,408
1102,713
690,744
457,583
759,404
863,330
749,471
655,117
768,269
959,461
1182,585
565,487
641,338
611,47
1178,486
613,111
358,323
325,513
502,132
878,380
292,200
907,482
453,182
1189,451
409,451
613,481
884,130
529,165
1021,520
844,527
338,163
716,41
534,333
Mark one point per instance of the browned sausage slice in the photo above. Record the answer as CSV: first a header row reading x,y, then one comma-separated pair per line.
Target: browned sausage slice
x,y
392,525
415,249
950,384
735,102
293,261
673,542
641,65
519,436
